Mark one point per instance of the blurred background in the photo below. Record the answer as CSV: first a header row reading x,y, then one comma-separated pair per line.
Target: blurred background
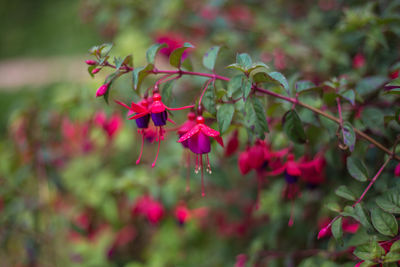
x,y
70,191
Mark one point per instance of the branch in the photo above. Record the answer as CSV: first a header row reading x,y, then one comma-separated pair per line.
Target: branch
x,y
264,91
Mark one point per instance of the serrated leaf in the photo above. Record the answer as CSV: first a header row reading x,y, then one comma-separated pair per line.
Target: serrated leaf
x,y
152,52
138,75
246,88
236,66
293,127
257,65
277,76
384,222
349,136
349,95
260,75
357,169
224,116
337,230
244,60
262,124
345,192
210,57
209,100
175,59
234,84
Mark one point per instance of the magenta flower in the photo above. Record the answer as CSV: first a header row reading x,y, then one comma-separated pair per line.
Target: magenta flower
x,y
150,208
186,126
182,214
199,143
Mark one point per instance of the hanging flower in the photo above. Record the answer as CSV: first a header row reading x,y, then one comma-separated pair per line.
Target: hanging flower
x,y
199,143
182,213
150,208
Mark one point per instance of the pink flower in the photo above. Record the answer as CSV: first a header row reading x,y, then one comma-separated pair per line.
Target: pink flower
x,y
397,170
173,41
182,214
312,172
150,208
96,70
232,145
241,260
243,162
91,62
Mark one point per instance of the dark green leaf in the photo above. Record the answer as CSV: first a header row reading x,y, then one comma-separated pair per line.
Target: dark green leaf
x,y
362,217
262,124
357,169
260,75
187,64
293,127
254,118
175,59
224,116
393,92
372,118
304,86
210,57
90,69
151,53
391,257
110,80
384,222
390,202
337,231
345,192
349,137
393,84
209,100
139,73
370,84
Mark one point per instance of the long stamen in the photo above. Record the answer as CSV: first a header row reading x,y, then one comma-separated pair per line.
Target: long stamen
x,y
208,165
188,172
196,168
158,148
141,147
291,220
202,176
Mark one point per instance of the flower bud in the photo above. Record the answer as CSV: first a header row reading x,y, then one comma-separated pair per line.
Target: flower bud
x,y
324,232
96,70
91,62
397,170
102,89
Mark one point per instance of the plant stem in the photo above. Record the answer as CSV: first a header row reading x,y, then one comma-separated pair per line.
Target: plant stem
x,y
267,92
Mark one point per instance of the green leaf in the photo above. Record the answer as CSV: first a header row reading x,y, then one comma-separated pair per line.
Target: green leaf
x,y
209,100
166,92
257,65
110,79
371,251
395,91
175,59
337,231
384,222
395,247
139,73
349,95
246,88
293,127
224,116
391,257
362,217
390,202
260,75
305,86
187,64
349,136
235,84
344,192
90,69
210,57
393,84
370,85
236,66
244,60
151,53
262,124
357,169
278,77
372,118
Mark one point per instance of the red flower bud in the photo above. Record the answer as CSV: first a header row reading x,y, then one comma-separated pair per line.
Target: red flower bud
x,y
102,90
397,170
324,231
243,162
233,144
358,61
91,62
96,70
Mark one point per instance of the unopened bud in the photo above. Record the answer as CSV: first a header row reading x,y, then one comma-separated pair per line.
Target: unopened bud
x,y
91,62
96,70
102,90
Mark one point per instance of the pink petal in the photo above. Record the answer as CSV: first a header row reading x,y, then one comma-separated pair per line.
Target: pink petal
x,y
190,133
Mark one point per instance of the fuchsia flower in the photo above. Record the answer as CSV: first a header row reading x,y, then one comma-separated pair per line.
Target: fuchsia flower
x,y
358,61
186,126
182,213
173,41
91,62
241,260
397,170
111,126
158,112
198,138
150,208
232,145
348,225
312,172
